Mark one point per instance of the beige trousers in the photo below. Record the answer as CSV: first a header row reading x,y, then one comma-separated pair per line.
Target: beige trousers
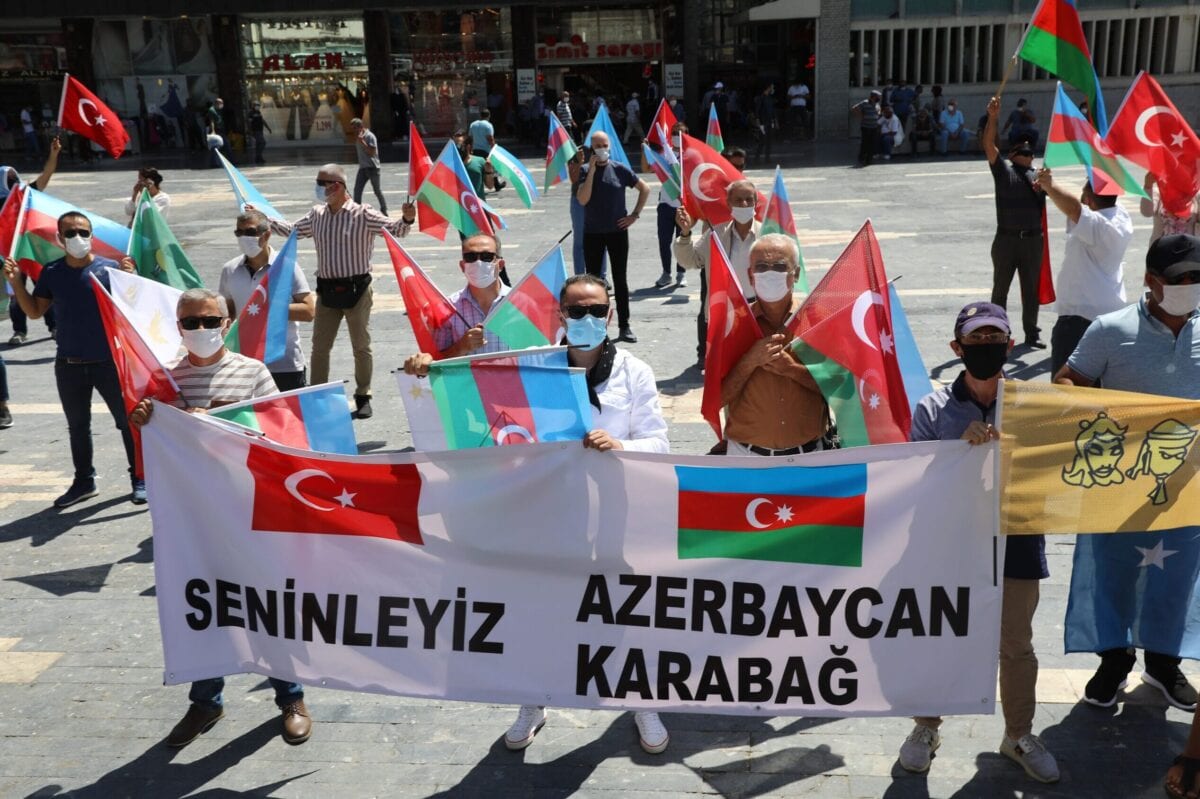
x,y
325,330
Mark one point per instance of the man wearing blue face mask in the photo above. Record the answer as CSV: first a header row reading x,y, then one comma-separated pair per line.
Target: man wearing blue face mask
x,y
10,180
625,416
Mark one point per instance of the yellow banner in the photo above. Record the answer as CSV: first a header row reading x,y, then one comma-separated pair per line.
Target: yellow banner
x,y
1087,460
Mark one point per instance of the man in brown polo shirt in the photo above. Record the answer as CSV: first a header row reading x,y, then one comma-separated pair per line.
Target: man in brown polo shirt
x,y
773,406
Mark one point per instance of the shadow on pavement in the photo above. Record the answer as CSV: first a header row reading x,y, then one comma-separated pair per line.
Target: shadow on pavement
x,y
48,524
769,772
153,774
683,382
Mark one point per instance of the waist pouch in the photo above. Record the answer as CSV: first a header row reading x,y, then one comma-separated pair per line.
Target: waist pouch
x,y
342,292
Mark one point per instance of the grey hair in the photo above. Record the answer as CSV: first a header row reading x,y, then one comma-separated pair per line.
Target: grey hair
x,y
256,218
336,170
781,241
201,295
737,184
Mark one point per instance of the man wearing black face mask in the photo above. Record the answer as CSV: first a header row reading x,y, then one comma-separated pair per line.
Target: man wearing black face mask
x,y
967,410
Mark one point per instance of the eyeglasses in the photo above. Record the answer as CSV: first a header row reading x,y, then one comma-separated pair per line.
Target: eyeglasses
x,y
248,232
324,183
472,257
998,337
70,234
778,266
197,322
580,311
1183,278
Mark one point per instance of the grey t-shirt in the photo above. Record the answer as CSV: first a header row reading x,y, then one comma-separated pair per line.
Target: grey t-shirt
x,y
368,139
237,284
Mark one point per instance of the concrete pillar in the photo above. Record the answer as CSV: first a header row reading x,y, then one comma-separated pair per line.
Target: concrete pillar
x,y
832,92
228,53
78,34
377,41
691,12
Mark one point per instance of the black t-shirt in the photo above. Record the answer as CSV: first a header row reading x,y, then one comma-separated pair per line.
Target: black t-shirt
x,y
1018,204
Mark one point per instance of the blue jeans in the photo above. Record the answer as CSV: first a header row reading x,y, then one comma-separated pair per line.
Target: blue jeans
x,y
666,235
577,241
944,137
208,692
76,381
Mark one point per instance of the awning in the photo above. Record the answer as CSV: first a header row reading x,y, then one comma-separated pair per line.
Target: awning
x,y
777,10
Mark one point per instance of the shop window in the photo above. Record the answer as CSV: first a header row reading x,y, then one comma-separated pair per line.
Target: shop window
x,y
874,9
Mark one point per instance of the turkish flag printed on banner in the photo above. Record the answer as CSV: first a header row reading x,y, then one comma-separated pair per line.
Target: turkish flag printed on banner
x,y
706,176
296,494
732,330
419,165
1149,130
428,308
82,112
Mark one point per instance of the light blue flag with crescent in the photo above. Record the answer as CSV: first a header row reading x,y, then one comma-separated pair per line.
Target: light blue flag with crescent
x,y
603,124
912,368
245,192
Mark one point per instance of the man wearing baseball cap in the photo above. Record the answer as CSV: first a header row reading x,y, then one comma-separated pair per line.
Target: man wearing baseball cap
x,y
1150,347
967,410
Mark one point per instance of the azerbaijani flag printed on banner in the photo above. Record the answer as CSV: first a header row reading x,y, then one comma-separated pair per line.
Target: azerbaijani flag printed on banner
x,y
602,123
1055,42
795,514
510,398
528,315
665,167
712,136
1073,140
419,165
314,417
844,335
156,251
245,192
559,150
447,189
510,167
778,219
261,328
35,236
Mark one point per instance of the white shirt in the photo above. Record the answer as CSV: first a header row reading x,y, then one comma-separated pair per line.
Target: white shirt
x,y
798,95
1092,279
629,409
26,121
892,126
162,200
695,256
237,284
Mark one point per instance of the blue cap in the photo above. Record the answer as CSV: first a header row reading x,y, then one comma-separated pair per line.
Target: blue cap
x,y
980,314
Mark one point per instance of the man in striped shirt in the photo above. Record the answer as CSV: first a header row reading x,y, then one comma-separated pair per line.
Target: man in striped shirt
x,y
344,234
210,376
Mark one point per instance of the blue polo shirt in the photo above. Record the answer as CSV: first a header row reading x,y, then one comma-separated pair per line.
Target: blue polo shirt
x,y
607,203
1130,350
80,331
945,415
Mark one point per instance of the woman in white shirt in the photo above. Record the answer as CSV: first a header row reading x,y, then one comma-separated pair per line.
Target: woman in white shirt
x,y
148,178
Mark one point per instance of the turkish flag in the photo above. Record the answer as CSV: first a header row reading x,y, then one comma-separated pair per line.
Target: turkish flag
x,y
428,308
732,330
419,165
82,112
706,176
296,494
660,128
1149,130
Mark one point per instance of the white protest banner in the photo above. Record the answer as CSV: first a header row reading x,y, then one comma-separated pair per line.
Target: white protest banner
x,y
851,582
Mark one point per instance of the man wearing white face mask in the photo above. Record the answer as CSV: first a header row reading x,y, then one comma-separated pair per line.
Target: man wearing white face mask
x,y
1151,347
625,416
84,361
240,278
773,406
737,236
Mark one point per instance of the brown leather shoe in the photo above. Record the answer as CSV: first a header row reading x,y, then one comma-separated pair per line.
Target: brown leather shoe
x,y
297,725
197,721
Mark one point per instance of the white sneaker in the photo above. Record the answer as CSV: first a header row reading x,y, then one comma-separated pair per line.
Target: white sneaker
x,y
530,719
652,735
887,157
1030,754
680,280
918,749
663,281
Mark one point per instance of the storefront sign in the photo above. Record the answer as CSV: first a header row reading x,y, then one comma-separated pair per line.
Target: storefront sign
x,y
673,79
526,84
289,63
578,50
22,75
447,60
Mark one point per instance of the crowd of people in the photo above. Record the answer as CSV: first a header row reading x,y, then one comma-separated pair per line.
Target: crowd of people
x,y
773,405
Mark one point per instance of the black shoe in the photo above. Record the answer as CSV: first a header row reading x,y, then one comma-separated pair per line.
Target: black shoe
x,y
138,495
1108,680
1174,686
363,407
78,492
6,420
1035,343
626,334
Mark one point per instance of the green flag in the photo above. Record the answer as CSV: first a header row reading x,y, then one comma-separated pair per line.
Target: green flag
x,y
156,251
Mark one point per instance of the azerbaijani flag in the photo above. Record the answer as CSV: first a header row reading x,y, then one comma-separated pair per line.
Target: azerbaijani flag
x,y
789,514
34,237
1055,42
713,137
1073,140
261,328
244,191
419,165
778,219
316,418
528,315
156,251
559,150
447,188
602,123
510,398
665,167
510,167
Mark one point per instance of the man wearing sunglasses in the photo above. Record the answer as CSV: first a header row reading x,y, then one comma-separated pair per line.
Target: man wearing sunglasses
x,y
208,377
625,416
773,406
344,235
240,279
84,362
1152,347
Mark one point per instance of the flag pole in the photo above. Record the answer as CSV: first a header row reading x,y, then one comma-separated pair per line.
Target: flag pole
x,y
564,237
62,102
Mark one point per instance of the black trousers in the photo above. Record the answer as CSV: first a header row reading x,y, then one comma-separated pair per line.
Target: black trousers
x,y
1022,257
288,381
1064,338
868,145
702,318
370,173
616,244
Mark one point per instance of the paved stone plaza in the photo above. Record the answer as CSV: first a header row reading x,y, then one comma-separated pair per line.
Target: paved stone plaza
x,y
82,708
